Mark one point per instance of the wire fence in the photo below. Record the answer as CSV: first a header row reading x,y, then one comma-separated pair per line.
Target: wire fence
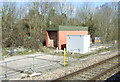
x,y
14,68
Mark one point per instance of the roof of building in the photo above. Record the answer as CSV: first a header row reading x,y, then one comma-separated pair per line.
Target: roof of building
x,y
66,28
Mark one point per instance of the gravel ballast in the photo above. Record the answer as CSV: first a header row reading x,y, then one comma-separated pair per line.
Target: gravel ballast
x,y
79,64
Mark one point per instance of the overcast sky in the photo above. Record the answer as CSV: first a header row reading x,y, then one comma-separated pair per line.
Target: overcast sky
x,y
61,0
76,3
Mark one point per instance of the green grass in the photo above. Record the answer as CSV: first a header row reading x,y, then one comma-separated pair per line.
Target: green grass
x,y
4,52
51,52
98,51
26,51
47,50
78,55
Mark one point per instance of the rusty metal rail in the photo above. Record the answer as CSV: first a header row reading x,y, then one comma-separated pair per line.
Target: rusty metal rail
x,y
86,68
103,73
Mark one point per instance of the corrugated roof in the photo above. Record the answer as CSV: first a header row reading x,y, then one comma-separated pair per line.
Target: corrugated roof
x,y
67,28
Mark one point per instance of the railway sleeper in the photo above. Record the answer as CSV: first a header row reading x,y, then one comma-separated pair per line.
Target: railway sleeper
x,y
79,78
89,74
85,76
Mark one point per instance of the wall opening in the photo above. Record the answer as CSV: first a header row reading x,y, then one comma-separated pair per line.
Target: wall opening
x,y
52,38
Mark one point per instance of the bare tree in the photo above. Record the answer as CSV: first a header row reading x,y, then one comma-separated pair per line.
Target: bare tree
x,y
9,17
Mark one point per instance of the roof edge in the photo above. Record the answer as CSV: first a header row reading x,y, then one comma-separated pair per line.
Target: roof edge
x,y
67,28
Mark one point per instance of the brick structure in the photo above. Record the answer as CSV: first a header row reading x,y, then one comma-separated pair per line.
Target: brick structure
x,y
56,36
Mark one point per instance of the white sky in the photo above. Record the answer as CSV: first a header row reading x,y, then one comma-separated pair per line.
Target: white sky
x,y
60,0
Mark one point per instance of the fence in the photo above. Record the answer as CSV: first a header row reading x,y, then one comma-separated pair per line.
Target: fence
x,y
30,64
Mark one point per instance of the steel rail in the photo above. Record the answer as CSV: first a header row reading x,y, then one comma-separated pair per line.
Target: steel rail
x,y
103,73
83,69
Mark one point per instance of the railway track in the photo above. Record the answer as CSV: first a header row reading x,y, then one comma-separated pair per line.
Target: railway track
x,y
92,72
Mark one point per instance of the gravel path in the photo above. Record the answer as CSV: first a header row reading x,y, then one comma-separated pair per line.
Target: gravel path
x,y
38,62
81,63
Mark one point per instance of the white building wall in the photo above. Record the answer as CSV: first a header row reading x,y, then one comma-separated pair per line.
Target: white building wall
x,y
78,43
86,43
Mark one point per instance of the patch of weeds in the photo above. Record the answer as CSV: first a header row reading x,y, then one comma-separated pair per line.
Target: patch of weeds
x,y
76,55
107,49
25,52
47,50
82,55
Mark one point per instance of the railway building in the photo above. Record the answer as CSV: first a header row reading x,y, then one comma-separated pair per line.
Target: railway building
x,y
56,36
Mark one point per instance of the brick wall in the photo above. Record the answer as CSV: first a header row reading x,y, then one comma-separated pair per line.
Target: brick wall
x,y
62,37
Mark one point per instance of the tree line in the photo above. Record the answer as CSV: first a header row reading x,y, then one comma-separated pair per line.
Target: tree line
x,y
24,25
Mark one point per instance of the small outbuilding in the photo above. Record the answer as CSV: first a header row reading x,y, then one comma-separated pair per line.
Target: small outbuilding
x,y
56,36
78,43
